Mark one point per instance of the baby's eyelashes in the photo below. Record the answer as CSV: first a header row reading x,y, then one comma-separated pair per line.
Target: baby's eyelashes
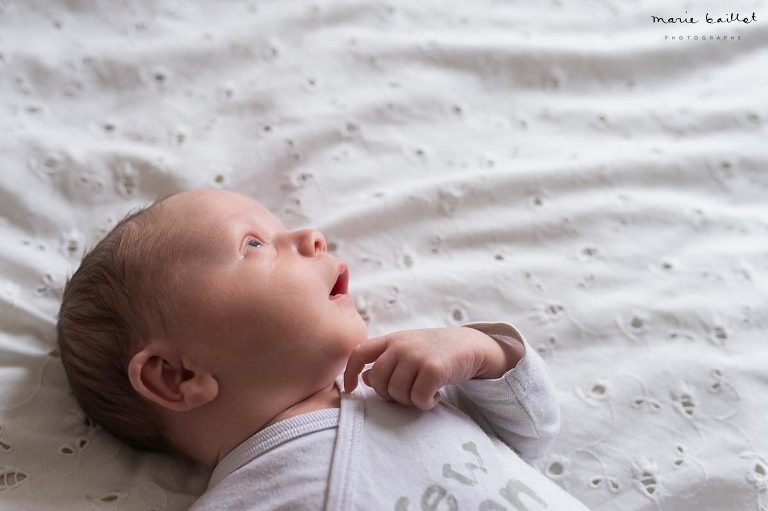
x,y
249,244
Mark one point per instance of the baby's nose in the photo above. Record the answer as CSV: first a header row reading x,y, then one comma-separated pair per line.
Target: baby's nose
x,y
312,242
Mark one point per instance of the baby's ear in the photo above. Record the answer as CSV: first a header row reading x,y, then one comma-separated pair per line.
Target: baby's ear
x,y
162,377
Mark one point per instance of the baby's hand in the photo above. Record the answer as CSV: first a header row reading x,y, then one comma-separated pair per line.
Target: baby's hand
x,y
411,365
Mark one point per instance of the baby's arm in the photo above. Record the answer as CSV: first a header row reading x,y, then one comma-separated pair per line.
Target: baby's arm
x,y
520,406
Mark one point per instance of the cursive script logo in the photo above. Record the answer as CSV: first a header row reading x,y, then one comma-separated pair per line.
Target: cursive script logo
x,y
731,17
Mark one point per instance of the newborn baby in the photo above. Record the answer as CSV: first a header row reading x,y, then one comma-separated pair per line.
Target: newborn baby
x,y
202,326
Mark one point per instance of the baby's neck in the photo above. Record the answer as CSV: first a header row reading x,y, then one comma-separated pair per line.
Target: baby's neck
x,y
329,397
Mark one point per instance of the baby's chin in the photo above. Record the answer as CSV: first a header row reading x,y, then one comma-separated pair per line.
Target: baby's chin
x,y
354,337
362,334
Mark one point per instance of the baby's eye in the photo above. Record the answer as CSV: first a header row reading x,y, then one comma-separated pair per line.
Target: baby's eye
x,y
250,242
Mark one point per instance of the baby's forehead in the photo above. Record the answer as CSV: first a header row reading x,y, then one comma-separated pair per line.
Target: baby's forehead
x,y
213,208
202,220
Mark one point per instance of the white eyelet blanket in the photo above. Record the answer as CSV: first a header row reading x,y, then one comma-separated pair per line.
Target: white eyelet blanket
x,y
567,167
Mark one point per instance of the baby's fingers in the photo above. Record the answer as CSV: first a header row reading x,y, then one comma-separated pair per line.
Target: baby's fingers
x,y
367,381
424,392
380,374
401,381
364,353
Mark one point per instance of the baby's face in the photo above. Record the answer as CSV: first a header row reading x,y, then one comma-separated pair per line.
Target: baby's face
x,y
255,297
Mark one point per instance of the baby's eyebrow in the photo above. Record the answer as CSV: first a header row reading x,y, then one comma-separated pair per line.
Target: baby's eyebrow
x,y
242,228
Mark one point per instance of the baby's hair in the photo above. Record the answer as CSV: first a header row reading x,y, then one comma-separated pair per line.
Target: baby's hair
x,y
112,304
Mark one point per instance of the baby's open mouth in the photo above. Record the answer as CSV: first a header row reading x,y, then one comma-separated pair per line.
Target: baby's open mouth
x,y
342,281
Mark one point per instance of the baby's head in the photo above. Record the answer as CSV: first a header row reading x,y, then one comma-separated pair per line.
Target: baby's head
x,y
200,308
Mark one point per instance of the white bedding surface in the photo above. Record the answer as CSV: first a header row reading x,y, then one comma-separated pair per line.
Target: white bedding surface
x,y
559,166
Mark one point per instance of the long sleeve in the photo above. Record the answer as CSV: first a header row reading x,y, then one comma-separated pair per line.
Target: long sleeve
x,y
520,407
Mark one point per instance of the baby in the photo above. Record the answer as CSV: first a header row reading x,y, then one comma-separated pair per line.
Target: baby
x,y
202,326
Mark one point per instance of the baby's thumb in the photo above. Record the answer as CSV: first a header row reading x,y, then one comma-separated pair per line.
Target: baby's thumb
x,y
365,377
